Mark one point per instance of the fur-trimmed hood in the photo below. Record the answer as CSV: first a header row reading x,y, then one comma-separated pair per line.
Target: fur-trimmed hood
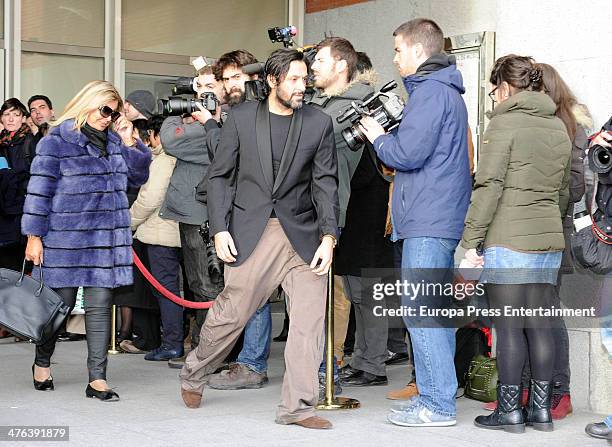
x,y
353,90
583,117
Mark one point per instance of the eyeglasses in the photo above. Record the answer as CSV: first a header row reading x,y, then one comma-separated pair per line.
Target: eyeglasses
x,y
106,111
492,95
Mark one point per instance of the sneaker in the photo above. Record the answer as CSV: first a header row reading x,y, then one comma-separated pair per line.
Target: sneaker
x,y
237,377
561,406
419,416
403,405
406,393
337,389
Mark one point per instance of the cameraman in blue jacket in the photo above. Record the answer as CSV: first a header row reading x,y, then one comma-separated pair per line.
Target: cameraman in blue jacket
x,y
430,201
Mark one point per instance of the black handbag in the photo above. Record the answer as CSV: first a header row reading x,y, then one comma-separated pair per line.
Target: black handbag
x,y
28,308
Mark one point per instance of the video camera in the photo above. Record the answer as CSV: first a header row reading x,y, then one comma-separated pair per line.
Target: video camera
x,y
255,90
386,108
214,264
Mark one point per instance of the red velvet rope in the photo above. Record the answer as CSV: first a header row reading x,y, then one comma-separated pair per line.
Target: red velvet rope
x,y
165,292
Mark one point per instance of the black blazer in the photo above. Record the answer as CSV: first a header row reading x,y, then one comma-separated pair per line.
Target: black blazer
x,y
304,194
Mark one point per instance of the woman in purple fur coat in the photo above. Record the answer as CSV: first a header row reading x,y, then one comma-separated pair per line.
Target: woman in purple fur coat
x,y
77,219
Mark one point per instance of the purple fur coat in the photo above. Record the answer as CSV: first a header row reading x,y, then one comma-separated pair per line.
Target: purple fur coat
x,y
77,203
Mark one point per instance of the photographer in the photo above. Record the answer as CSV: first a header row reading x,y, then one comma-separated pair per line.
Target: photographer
x,y
339,82
185,140
250,368
432,193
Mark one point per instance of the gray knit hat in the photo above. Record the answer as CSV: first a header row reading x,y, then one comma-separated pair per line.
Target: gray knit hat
x,y
143,101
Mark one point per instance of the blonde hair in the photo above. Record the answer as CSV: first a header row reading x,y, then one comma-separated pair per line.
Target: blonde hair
x,y
91,97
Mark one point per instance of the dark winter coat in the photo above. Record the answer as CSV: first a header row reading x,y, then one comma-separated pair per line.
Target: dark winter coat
x,y
363,244
13,187
429,153
77,203
521,191
334,103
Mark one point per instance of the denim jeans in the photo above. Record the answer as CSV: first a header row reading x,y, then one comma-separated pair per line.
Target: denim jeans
x,y
434,347
165,268
257,337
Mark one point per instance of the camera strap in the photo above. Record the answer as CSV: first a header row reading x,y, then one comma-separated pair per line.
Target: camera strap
x,y
599,233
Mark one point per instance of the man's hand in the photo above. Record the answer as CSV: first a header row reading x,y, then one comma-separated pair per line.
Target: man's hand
x,y
225,248
603,139
371,128
203,115
324,254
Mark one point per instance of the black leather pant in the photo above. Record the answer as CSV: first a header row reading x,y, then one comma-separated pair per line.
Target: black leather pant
x,y
97,305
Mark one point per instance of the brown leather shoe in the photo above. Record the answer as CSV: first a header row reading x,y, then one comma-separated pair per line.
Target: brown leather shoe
x,y
192,399
314,422
406,393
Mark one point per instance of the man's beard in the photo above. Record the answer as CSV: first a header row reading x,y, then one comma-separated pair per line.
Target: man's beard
x,y
235,97
291,103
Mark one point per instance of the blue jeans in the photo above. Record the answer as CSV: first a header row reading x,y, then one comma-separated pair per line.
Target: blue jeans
x,y
165,268
434,347
257,337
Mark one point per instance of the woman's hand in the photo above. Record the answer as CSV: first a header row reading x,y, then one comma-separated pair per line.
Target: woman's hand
x,y
602,139
474,258
124,128
34,250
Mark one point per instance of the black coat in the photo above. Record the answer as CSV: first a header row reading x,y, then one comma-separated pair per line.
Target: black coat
x,y
304,194
363,244
13,187
604,193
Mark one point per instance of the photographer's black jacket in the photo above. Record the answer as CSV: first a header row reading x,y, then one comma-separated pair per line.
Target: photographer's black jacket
x,y
604,192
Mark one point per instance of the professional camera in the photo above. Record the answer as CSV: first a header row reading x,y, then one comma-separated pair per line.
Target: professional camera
x,y
386,108
284,35
600,159
175,105
214,264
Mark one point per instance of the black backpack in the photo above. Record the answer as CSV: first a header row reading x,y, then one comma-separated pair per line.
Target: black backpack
x,y
470,341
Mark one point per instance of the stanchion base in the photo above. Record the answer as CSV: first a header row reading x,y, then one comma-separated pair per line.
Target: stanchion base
x,y
113,351
339,403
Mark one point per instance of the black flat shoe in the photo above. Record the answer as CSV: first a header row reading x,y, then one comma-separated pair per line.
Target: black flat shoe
x,y
348,371
364,379
105,396
46,385
397,358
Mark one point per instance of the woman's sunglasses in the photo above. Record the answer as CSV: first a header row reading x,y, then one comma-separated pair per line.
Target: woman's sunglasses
x,y
106,111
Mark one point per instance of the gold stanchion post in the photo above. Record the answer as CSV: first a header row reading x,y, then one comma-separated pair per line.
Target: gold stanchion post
x,y
113,347
331,403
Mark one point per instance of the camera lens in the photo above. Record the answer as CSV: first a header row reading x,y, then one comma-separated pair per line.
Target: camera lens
x,y
183,86
354,137
600,159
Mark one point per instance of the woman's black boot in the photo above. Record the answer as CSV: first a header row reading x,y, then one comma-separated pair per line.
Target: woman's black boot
x,y
508,415
538,413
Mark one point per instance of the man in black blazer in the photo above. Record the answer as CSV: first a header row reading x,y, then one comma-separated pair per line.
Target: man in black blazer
x,y
278,226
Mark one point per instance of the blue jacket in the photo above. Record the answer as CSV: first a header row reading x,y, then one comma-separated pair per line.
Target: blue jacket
x,y
77,203
429,152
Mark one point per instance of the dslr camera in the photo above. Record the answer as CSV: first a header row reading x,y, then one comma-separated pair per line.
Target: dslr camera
x,y
600,159
175,105
214,264
385,107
